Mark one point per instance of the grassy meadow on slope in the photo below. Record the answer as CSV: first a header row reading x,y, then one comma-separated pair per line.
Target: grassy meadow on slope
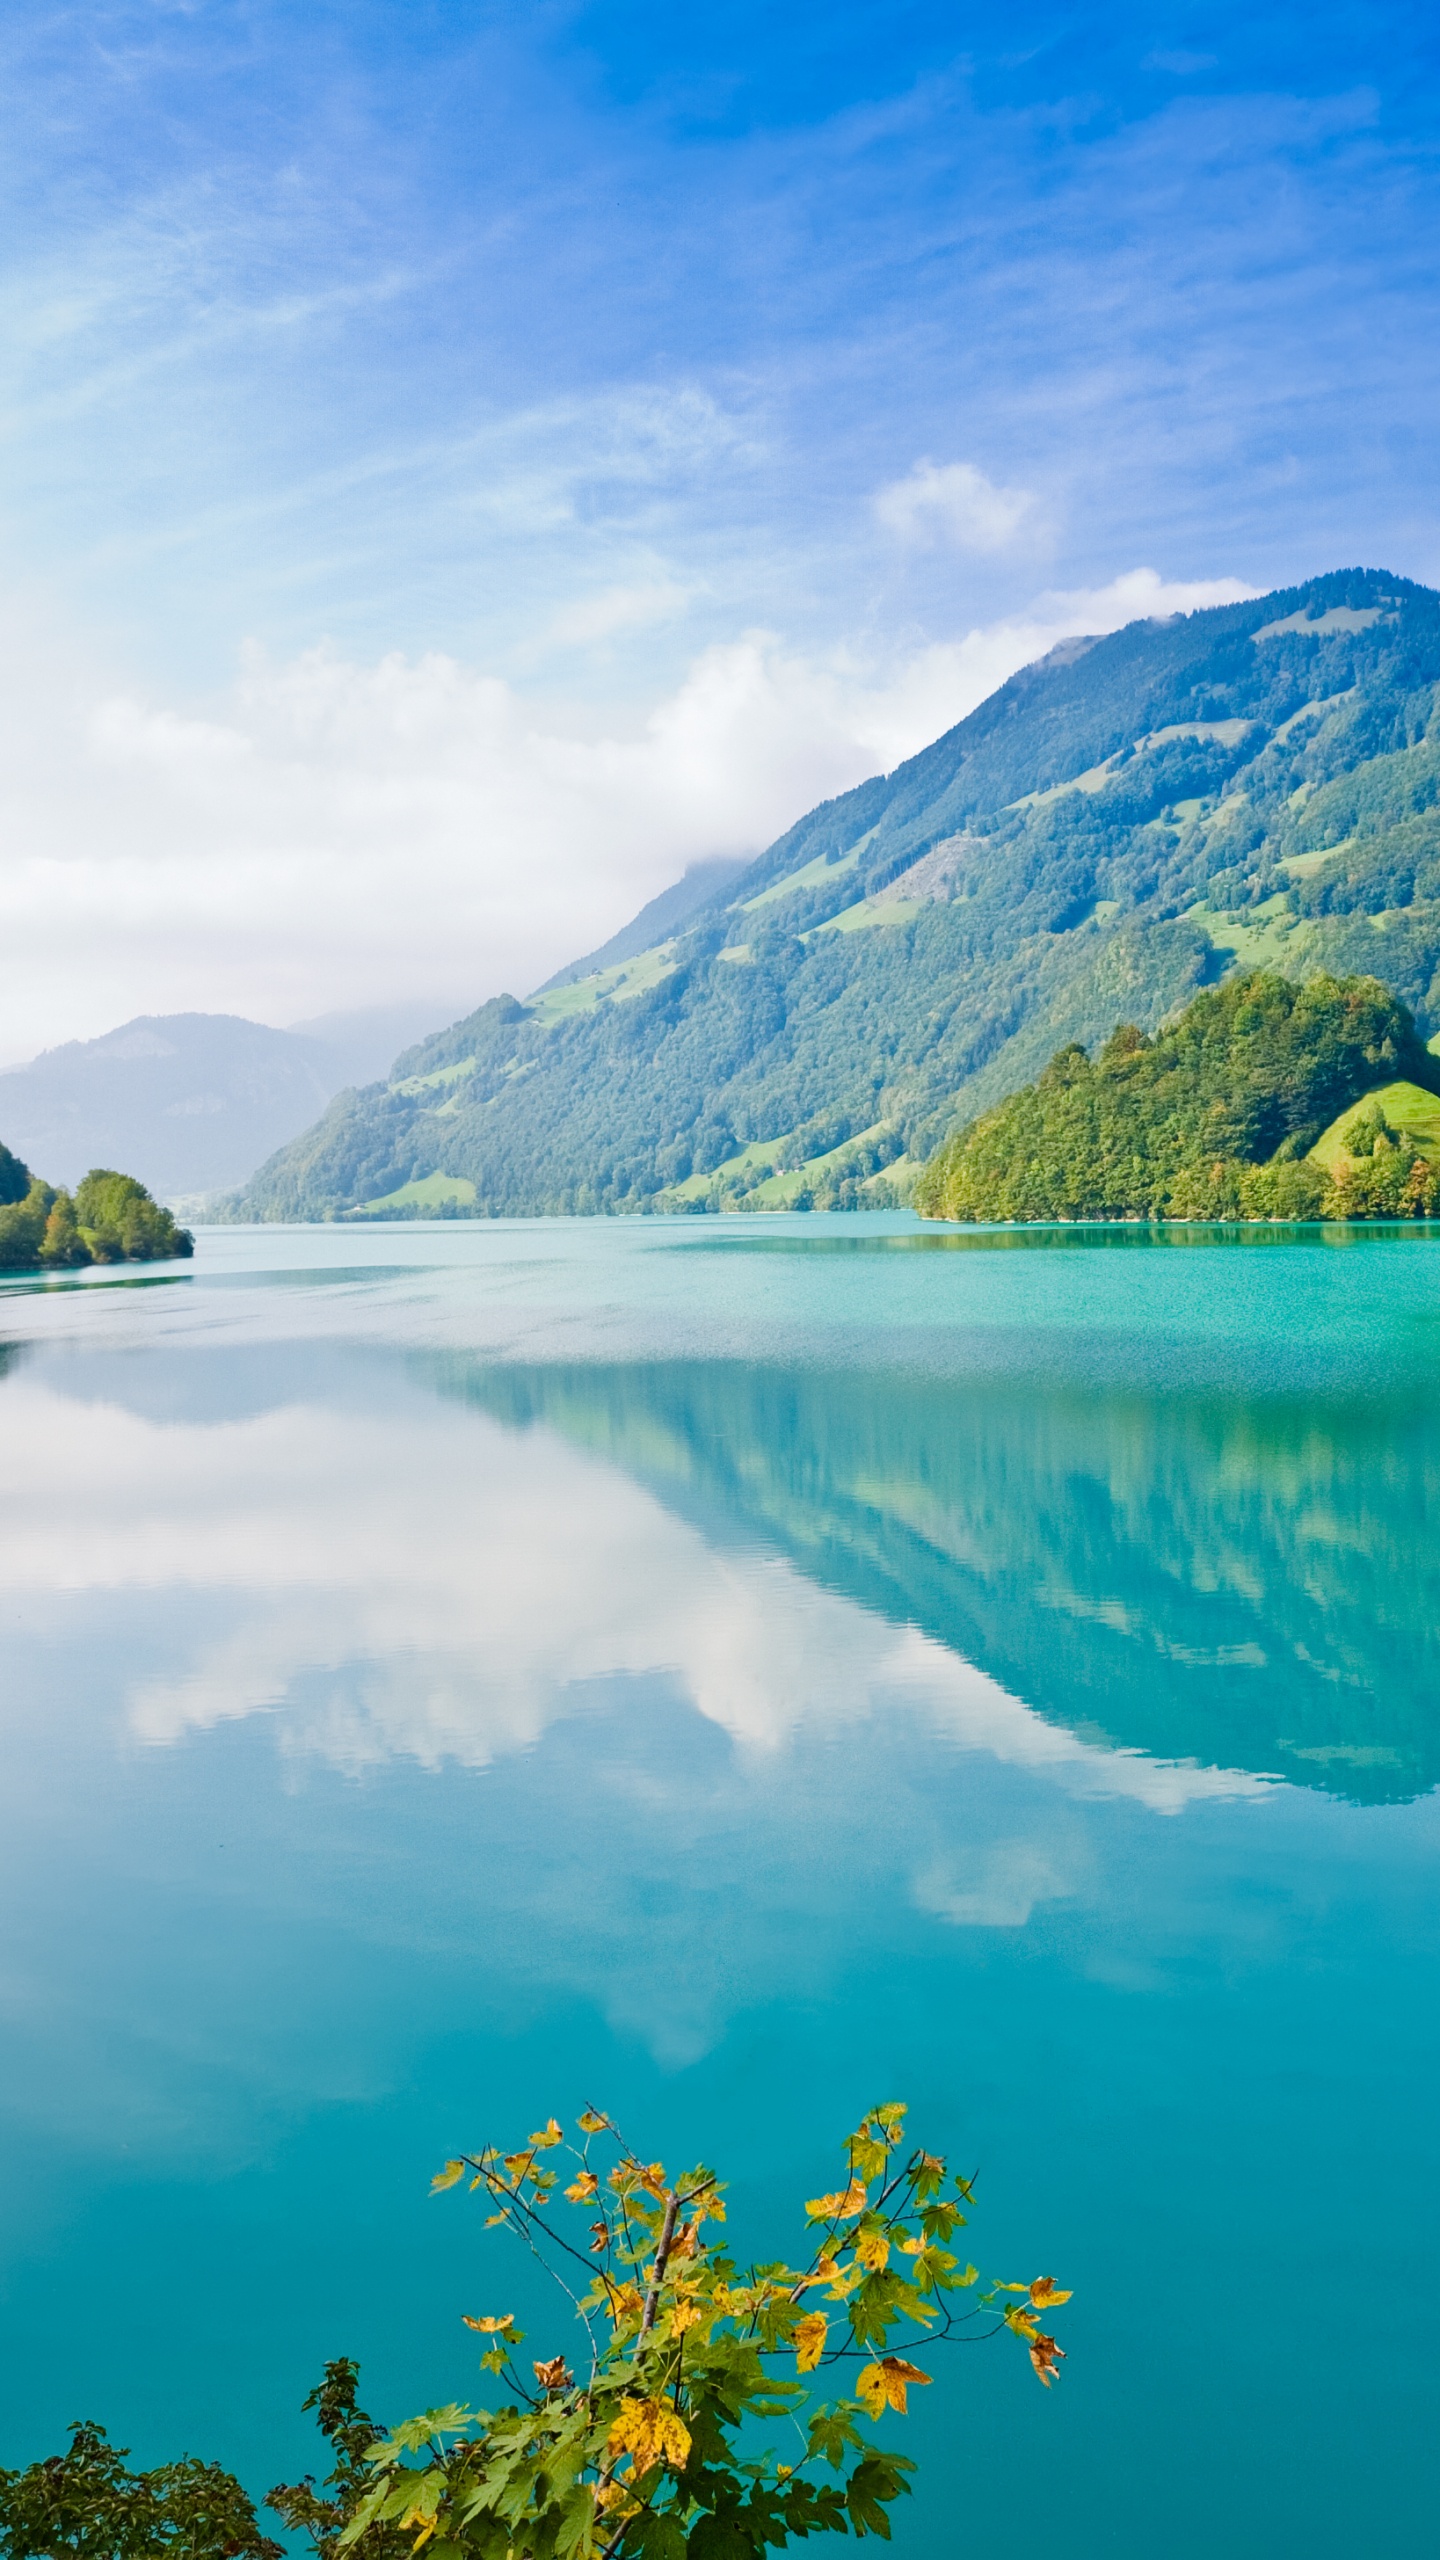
x,y
1130,820
1218,1116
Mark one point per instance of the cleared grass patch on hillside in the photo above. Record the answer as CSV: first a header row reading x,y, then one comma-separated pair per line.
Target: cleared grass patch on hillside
x,y
1411,1113
413,1199
628,978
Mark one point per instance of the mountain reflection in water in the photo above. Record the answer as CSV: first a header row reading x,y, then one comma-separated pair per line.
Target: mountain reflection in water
x,y
1242,1582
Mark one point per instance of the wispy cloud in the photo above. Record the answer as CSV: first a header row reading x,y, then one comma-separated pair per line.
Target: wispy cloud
x,y
954,502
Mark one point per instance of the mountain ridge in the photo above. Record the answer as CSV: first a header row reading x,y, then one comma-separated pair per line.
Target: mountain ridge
x,y
1130,819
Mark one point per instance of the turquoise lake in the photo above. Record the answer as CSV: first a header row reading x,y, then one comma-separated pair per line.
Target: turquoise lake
x,y
732,1672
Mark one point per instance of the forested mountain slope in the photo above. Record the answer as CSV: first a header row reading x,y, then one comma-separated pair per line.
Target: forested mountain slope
x,y
1125,822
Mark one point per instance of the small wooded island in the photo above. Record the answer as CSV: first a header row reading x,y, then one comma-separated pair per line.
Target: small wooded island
x,y
111,1218
1265,1099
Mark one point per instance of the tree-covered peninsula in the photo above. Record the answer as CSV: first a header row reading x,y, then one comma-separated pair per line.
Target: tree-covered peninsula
x,y
1230,1112
110,1218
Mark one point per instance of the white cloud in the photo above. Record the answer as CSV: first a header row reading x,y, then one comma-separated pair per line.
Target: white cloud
x,y
954,502
333,834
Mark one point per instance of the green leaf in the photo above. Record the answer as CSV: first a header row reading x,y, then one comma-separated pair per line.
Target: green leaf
x,y
718,2537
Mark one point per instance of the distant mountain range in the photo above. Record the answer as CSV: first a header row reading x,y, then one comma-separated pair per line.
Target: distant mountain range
x,y
190,1102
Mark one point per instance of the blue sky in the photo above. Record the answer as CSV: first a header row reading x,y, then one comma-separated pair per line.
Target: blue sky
x,y
585,350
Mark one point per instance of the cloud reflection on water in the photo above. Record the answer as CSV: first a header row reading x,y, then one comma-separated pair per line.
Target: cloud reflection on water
x,y
424,1582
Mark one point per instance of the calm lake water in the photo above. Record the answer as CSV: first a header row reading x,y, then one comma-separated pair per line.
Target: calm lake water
x,y
732,1672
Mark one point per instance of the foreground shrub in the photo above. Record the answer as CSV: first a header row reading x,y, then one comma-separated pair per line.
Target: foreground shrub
x,y
654,2446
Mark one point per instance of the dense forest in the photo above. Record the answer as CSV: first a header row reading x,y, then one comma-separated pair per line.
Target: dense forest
x,y
110,1218
1127,822
1214,1117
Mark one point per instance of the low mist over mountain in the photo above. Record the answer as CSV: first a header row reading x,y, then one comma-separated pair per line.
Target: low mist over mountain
x,y
1130,819
189,1102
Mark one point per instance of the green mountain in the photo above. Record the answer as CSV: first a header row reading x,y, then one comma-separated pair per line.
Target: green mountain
x,y
1214,1117
1130,820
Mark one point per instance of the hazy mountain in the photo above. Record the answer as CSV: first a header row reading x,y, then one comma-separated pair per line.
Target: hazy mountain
x,y
1129,819
700,887
190,1102
360,1046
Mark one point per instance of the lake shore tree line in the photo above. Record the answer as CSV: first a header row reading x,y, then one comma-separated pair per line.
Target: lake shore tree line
x,y
110,1218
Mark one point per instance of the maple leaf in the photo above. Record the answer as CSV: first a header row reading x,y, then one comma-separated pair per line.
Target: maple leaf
x,y
547,2140
650,2432
685,2315
591,2122
489,2327
1045,2293
873,2250
449,2176
585,2186
554,2376
842,2206
1020,2318
600,2235
810,2336
886,2382
1045,2356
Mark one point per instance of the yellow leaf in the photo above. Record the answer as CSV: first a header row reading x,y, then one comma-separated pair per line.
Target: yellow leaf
x,y
810,2336
888,2380
870,2390
547,2140
650,2432
873,2250
449,2176
912,2247
623,2301
490,2327
684,2316
585,2186
517,2162
1045,2293
1022,2320
590,2122
841,2207
654,2179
